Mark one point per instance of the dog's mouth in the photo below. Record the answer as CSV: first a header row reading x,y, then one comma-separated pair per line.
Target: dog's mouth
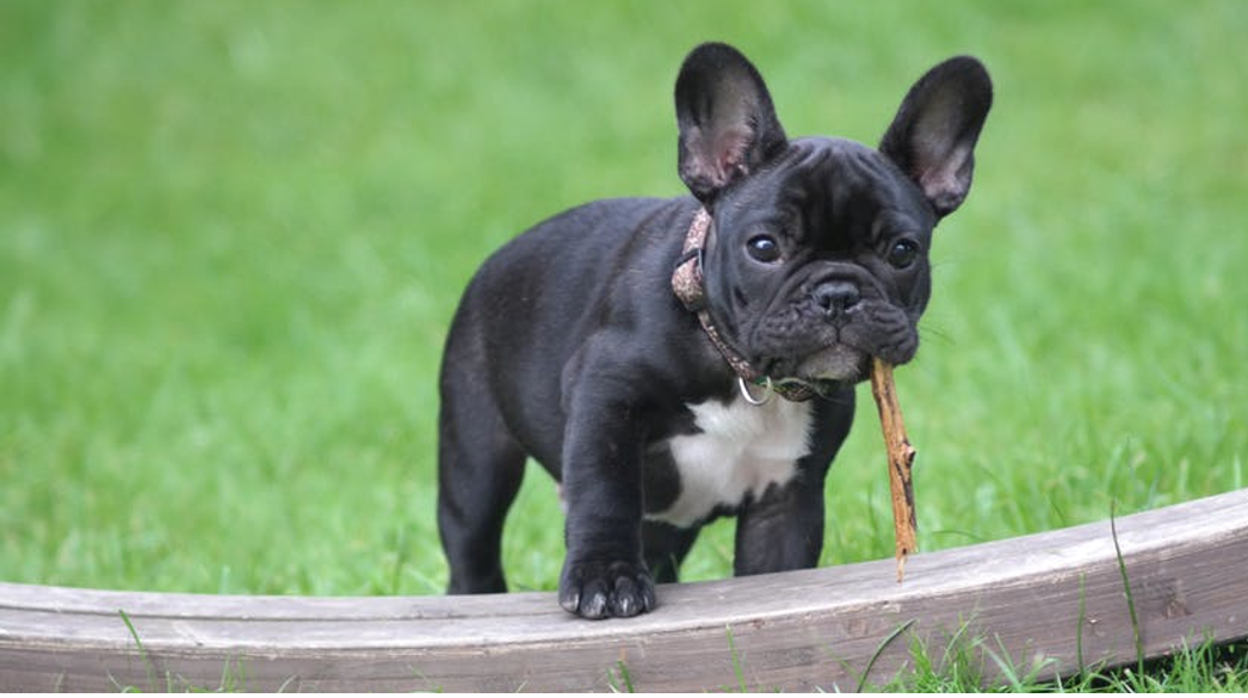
x,y
824,370
827,354
837,363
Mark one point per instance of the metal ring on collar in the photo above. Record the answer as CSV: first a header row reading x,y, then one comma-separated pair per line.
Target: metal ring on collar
x,y
757,402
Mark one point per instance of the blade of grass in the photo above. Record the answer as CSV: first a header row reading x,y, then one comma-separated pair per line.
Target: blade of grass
x,y
738,669
1126,587
621,670
149,666
1080,620
866,672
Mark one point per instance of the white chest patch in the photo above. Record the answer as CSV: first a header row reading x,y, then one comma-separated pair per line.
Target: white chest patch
x,y
742,450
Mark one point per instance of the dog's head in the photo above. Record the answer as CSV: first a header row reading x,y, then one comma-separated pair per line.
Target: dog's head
x,y
817,258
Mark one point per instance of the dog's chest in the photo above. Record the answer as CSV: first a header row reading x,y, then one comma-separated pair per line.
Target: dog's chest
x,y
740,450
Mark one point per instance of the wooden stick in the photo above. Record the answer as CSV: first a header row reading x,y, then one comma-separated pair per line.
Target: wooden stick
x,y
900,461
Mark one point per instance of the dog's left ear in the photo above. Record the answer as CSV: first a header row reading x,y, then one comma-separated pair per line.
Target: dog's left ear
x,y
932,138
728,125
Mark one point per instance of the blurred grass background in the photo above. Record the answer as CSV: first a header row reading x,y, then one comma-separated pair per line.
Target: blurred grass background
x,y
232,235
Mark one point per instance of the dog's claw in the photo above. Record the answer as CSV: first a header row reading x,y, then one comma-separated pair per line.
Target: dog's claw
x,y
625,600
570,600
595,607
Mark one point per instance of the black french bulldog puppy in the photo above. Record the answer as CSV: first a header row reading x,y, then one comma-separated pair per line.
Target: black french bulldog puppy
x,y
663,400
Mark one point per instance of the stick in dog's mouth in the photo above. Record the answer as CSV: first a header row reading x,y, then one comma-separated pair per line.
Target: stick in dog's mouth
x,y
900,461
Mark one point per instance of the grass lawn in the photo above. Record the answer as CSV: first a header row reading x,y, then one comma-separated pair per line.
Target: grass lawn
x,y
232,235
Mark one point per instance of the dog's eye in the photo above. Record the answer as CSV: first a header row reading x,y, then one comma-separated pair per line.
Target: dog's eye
x,y
763,248
903,253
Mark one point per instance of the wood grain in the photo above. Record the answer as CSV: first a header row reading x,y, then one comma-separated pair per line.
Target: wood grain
x,y
1037,599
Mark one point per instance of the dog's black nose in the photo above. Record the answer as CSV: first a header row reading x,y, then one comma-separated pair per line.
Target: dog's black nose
x,y
835,296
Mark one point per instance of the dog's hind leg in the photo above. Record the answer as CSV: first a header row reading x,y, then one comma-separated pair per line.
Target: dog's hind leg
x,y
665,547
480,468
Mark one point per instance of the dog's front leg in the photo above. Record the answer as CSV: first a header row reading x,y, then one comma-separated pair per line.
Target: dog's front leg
x,y
604,574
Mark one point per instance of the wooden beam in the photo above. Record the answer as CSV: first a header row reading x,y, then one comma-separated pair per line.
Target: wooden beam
x,y
1036,599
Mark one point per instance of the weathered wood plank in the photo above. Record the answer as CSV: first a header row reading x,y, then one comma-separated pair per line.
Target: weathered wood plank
x,y
795,631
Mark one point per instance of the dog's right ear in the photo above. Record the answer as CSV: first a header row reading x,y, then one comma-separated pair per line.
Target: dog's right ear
x,y
728,126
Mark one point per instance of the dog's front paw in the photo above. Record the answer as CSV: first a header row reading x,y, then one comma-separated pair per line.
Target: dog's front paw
x,y
598,590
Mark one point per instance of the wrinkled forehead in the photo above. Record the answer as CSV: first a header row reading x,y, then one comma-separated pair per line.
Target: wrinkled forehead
x,y
830,186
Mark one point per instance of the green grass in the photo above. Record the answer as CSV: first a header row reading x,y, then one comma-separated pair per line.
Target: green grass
x,y
964,665
232,234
